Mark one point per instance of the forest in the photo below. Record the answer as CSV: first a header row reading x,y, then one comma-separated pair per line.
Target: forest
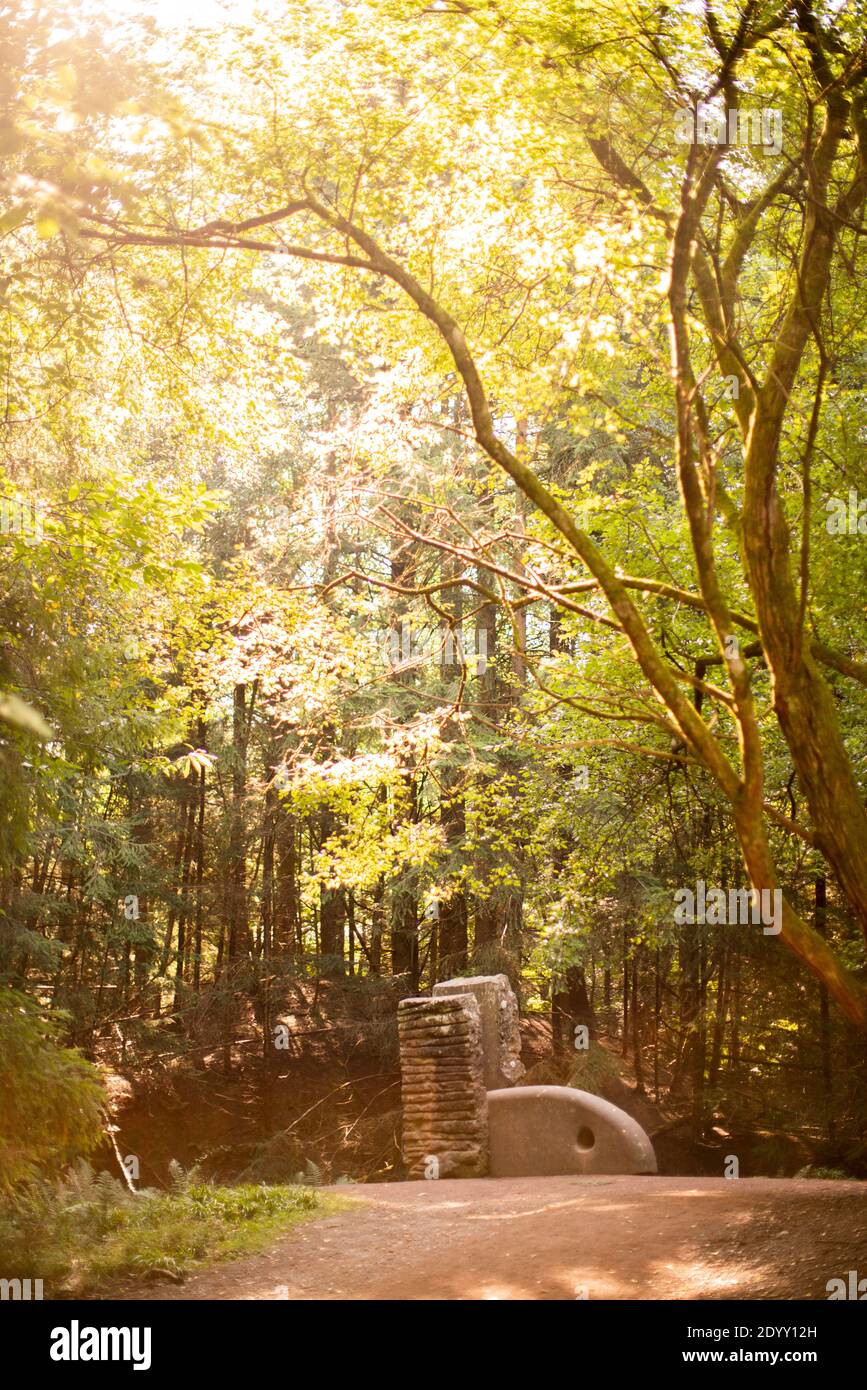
x,y
433,508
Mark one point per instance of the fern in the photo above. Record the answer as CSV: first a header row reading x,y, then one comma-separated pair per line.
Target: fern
x,y
177,1176
78,1183
109,1191
181,1178
311,1176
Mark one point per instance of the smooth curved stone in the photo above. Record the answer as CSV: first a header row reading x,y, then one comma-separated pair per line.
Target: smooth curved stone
x,y
544,1130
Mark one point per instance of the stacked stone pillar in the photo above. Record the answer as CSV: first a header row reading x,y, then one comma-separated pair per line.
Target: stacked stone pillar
x,y
445,1109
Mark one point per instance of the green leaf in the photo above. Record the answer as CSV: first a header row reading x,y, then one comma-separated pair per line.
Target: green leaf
x,y
20,715
14,217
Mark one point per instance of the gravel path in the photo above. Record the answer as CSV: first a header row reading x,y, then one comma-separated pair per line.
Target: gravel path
x,y
552,1238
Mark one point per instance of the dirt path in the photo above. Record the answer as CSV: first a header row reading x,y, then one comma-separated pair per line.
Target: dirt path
x,y
547,1238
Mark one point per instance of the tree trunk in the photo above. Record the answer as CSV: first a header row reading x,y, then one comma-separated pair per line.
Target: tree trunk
x,y
821,925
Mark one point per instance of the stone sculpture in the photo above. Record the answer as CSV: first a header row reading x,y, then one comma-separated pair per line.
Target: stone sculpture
x,y
556,1129
445,1111
501,1038
463,1114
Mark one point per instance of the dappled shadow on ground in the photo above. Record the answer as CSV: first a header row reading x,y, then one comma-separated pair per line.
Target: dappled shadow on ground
x,y
563,1238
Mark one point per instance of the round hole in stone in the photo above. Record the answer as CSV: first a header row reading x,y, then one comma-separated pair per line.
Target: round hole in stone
x,y
585,1139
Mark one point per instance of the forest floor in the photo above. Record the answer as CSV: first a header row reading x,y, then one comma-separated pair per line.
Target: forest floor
x,y
559,1238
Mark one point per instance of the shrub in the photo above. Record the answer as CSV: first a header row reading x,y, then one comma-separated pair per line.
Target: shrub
x,y
88,1231
50,1096
593,1070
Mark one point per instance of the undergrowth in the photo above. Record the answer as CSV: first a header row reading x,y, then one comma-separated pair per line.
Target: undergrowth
x,y
88,1231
